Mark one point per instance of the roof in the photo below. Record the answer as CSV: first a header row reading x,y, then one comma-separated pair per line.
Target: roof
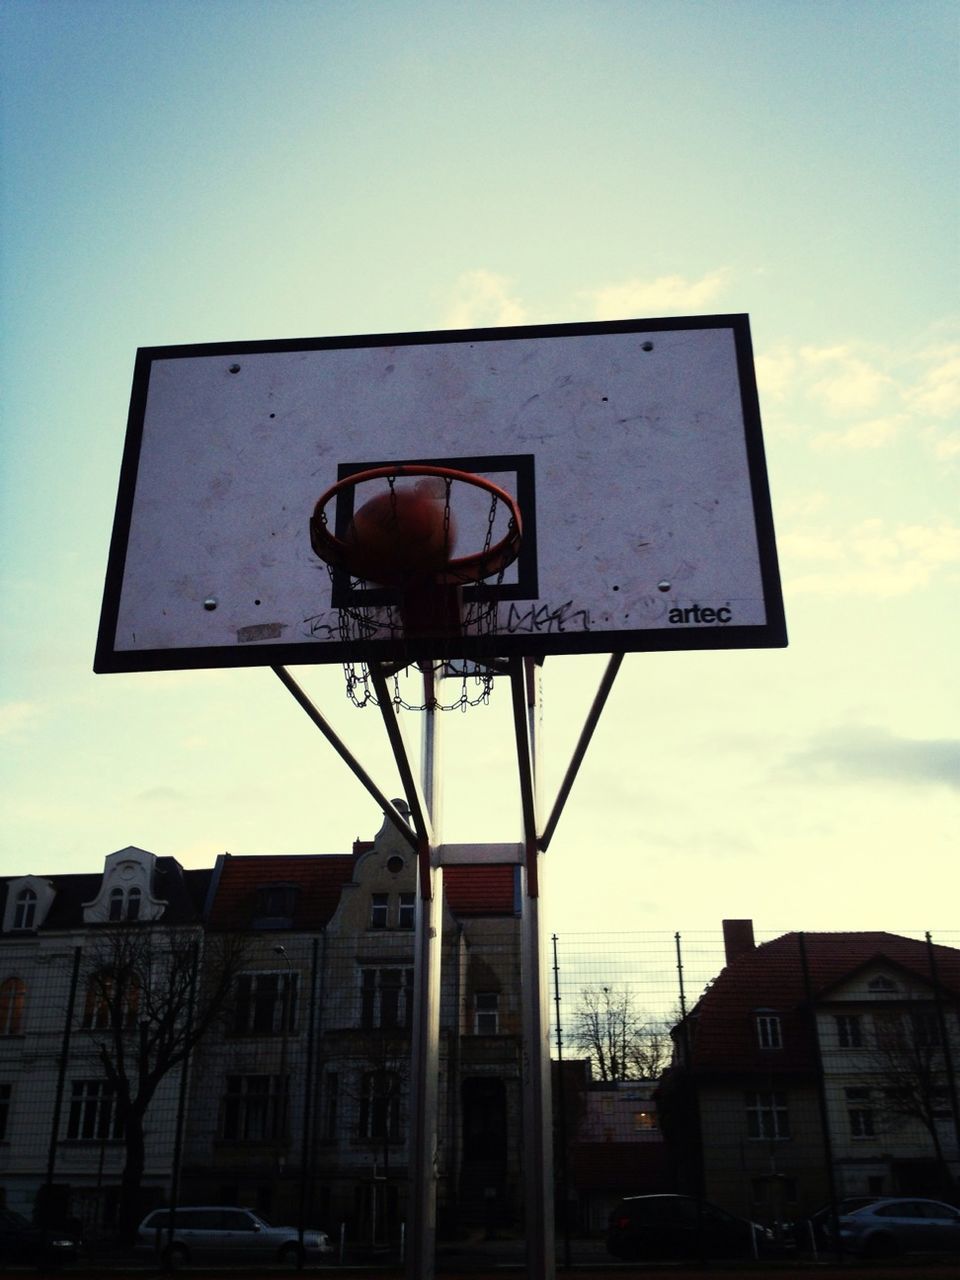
x,y
320,879
470,891
771,978
184,892
486,890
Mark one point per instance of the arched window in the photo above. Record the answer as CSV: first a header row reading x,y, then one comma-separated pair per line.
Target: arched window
x,y
13,993
133,904
111,999
25,911
116,904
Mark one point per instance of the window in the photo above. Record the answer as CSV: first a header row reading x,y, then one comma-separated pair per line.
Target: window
x,y
331,1098
110,998
767,1116
5,1091
266,1004
253,1107
13,994
644,1121
486,1013
380,1106
882,983
275,905
124,904
768,1031
860,1113
406,916
849,1031
379,903
926,1028
386,998
93,1113
25,911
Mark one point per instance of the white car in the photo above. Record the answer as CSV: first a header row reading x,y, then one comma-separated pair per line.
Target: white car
x,y
224,1233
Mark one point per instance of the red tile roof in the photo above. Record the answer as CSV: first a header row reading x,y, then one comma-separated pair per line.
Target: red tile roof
x,y
771,977
479,891
320,878
470,891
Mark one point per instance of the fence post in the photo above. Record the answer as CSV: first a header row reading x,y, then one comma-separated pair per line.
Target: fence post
x,y
821,1090
944,1040
61,1085
562,1180
182,1093
307,1101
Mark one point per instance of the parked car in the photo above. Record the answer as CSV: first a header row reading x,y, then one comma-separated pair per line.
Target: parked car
x,y
21,1241
224,1233
674,1226
820,1221
900,1225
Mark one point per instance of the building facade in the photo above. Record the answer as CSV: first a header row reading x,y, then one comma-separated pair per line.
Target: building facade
x,y
817,1065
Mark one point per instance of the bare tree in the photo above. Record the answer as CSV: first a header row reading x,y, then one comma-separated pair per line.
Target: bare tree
x,y
909,1065
622,1043
147,1005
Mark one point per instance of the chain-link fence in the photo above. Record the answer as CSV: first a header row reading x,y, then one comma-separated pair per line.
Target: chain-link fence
x,y
774,1078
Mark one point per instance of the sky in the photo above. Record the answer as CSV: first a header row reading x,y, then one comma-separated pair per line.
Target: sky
x,y
218,171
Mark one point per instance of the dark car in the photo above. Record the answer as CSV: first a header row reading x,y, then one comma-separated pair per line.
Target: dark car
x,y
673,1226
901,1225
21,1241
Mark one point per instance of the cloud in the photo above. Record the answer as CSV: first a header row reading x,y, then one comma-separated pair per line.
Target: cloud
x,y
15,716
482,299
661,296
871,754
869,395
872,559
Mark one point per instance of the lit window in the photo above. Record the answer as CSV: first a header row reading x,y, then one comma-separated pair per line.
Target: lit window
x,y
849,1031
110,1001
379,903
13,993
25,910
487,1013
767,1116
768,1031
644,1121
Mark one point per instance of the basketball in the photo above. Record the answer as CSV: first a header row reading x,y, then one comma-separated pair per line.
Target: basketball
x,y
402,534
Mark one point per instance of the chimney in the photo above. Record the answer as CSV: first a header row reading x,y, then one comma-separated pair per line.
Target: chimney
x,y
737,938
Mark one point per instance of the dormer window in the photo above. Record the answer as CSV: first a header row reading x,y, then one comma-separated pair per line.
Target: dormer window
x,y
124,904
275,906
768,1031
25,910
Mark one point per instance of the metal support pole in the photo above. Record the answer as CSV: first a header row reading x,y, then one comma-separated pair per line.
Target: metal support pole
x,y
537,1110
425,1048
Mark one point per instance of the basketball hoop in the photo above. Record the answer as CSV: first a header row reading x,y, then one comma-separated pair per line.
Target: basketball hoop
x,y
398,576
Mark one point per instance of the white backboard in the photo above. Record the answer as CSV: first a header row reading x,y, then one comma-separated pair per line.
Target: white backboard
x,y
633,447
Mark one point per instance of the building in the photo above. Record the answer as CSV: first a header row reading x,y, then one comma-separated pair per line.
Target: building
x,y
67,986
300,1105
817,1064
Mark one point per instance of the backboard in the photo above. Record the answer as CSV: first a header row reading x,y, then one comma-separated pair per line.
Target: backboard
x,y
633,450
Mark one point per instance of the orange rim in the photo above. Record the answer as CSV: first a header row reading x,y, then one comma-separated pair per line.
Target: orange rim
x,y
472,568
